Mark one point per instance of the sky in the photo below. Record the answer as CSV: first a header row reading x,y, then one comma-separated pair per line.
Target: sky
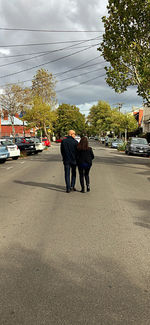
x,y
61,36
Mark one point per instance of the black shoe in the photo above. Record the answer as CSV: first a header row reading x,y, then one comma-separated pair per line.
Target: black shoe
x,y
82,190
67,191
73,189
88,188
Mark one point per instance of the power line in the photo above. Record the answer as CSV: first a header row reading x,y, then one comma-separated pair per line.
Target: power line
x,y
78,66
39,65
38,56
36,53
81,66
79,75
47,43
84,82
50,30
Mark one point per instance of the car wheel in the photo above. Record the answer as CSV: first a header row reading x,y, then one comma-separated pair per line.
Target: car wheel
x,y
2,161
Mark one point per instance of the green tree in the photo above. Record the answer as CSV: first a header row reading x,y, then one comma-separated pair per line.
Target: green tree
x,y
122,123
100,117
69,117
126,45
40,115
43,86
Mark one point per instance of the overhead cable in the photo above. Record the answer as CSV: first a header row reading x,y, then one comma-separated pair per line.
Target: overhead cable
x,y
49,43
84,82
42,64
50,30
49,52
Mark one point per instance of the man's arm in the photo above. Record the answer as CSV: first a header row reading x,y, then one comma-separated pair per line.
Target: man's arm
x,y
62,149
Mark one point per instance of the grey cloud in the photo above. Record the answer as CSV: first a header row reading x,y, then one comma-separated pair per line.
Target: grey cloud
x,y
58,15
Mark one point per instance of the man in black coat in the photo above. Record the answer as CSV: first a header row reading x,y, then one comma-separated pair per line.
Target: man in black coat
x,y
69,151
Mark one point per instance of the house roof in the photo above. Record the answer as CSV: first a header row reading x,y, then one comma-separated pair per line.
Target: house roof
x,y
17,121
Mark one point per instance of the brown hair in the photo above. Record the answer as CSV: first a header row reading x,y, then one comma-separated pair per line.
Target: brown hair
x,y
83,144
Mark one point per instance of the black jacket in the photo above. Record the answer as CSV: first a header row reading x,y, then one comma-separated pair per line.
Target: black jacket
x,y
85,156
69,150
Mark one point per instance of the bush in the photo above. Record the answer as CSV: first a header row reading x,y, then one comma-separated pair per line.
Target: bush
x,y
122,147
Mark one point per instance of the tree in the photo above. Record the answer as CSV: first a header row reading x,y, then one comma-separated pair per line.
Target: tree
x,y
100,117
43,85
14,100
123,123
69,117
125,45
40,115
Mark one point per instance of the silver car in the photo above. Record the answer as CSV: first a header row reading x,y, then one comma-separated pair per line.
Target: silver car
x,y
4,154
137,146
12,148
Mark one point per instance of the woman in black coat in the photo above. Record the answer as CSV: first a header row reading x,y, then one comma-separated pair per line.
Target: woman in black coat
x,y
84,161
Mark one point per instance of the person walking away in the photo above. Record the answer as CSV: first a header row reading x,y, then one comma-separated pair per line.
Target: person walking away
x,y
68,152
84,161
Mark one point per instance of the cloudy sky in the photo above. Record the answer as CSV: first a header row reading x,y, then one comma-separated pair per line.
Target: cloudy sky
x,y
61,36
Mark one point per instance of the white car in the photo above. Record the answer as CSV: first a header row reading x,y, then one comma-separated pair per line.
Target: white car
x,y
78,138
39,146
13,150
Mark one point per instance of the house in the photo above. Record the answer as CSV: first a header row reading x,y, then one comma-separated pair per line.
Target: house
x,y
142,116
19,126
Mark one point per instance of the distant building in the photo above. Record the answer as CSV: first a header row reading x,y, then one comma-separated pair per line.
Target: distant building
x,y
19,126
142,116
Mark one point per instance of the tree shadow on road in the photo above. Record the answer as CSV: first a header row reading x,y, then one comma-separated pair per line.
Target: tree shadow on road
x,y
47,186
143,205
125,162
62,292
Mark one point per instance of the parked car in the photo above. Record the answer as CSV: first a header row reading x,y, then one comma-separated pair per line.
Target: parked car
x,y
102,140
58,140
91,138
4,154
137,146
116,142
25,146
78,138
38,144
108,141
46,142
14,151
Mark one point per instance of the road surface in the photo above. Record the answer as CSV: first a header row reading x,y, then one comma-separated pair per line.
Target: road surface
x,y
75,259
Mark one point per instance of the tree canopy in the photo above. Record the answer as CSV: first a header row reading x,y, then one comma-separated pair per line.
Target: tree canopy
x,y
126,45
69,117
14,100
103,119
100,117
40,115
43,85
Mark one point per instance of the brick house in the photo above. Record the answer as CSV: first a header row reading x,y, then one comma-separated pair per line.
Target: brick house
x,y
19,126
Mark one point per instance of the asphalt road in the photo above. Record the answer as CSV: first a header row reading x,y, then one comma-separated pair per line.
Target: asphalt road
x,y
75,259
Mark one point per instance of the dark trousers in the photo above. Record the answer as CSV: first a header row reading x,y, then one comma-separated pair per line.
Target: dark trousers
x,y
84,173
70,168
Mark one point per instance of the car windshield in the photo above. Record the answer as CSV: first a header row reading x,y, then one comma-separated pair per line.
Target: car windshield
x,y
36,140
117,140
7,143
139,141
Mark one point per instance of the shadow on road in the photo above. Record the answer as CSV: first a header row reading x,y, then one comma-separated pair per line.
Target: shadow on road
x,y
93,292
119,161
48,157
47,186
143,205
